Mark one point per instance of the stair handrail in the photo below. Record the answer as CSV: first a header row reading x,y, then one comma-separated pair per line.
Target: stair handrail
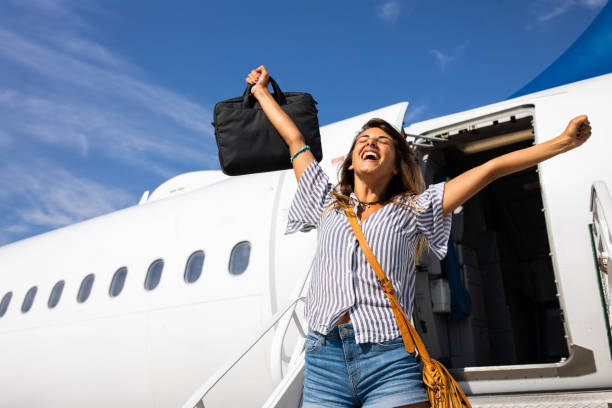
x,y
601,202
276,353
196,399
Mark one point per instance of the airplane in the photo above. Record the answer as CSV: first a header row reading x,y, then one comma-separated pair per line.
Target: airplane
x,y
194,297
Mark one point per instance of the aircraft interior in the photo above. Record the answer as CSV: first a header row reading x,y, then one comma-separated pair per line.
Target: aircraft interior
x,y
504,308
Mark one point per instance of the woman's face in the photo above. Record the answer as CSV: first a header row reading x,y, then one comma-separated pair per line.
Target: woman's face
x,y
374,154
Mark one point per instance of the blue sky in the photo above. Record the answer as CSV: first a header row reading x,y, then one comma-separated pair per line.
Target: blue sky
x,y
100,101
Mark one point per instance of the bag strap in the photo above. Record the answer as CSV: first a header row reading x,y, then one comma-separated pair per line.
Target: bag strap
x,y
409,334
279,96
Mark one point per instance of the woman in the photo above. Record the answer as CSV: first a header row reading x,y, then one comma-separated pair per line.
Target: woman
x,y
354,352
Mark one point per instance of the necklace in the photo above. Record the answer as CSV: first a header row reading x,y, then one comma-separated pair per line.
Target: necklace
x,y
366,204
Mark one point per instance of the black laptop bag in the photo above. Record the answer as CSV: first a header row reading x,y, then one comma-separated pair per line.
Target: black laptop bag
x,y
247,141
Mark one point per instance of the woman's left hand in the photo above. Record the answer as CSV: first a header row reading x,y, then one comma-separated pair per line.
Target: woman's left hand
x,y
576,133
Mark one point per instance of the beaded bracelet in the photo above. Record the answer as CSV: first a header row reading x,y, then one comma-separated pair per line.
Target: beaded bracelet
x,y
298,152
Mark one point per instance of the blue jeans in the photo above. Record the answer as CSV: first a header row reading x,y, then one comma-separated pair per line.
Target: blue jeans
x,y
342,373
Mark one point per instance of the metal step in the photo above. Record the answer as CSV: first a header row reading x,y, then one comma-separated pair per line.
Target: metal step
x,y
591,399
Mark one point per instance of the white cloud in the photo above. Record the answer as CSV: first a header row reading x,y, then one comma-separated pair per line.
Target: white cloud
x,y
446,59
10,233
82,128
104,109
91,99
595,4
442,58
559,7
52,197
547,10
56,14
389,11
89,50
414,112
19,229
75,98
5,139
82,74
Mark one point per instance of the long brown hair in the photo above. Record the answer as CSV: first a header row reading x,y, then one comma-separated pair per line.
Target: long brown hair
x,y
406,182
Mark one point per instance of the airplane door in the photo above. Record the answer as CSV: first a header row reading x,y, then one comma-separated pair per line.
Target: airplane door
x,y
601,207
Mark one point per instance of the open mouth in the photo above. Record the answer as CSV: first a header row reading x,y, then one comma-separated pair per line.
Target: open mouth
x,y
370,155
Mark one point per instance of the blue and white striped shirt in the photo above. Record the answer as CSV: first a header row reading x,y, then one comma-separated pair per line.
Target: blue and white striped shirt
x,y
342,280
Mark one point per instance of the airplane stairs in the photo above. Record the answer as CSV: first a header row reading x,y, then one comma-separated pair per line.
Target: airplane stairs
x,y
287,375
282,386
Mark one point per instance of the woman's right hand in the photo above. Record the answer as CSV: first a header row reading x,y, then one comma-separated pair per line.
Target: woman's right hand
x,y
260,78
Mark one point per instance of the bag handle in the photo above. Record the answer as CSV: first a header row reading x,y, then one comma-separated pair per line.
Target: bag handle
x,y
409,334
248,99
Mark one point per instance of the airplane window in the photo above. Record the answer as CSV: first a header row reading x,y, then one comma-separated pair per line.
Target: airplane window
x,y
193,270
56,294
85,288
28,300
239,259
154,274
6,299
117,283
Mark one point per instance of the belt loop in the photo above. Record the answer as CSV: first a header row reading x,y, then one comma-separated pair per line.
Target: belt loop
x,y
323,339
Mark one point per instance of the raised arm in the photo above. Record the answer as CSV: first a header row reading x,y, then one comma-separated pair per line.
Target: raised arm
x,y
458,190
280,120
